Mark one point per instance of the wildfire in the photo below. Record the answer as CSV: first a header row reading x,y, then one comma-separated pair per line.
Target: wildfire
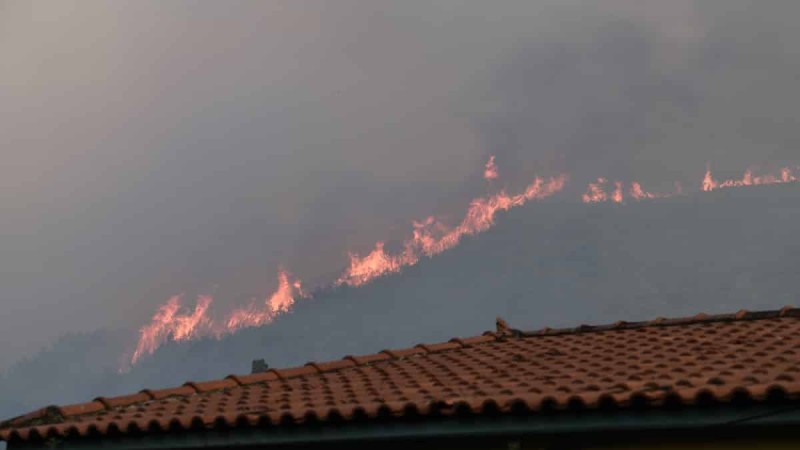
x,y
173,322
784,175
596,192
638,193
279,302
431,237
490,170
169,322
374,264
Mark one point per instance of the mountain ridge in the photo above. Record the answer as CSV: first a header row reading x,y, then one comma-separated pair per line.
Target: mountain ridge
x,y
551,263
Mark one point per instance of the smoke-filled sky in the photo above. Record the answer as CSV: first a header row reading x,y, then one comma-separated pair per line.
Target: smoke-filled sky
x,y
151,148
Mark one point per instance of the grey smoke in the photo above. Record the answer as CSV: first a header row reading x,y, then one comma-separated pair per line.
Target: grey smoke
x,y
153,148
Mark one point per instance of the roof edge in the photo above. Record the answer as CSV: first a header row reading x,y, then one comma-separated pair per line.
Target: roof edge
x,y
729,419
58,414
698,319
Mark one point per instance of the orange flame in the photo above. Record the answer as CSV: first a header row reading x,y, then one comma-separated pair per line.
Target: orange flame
x,y
748,179
431,237
490,170
374,264
617,195
709,184
596,192
172,322
279,302
637,193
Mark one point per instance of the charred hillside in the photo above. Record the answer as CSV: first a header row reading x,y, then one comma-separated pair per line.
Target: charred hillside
x,y
546,264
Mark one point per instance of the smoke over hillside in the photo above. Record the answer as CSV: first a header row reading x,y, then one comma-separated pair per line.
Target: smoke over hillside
x,y
181,151
557,263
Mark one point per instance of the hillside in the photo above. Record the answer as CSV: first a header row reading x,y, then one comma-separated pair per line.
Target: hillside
x,y
545,264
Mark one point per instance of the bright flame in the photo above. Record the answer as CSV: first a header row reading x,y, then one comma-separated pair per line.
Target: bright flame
x,y
785,175
638,193
374,264
490,170
596,192
172,322
709,184
617,195
431,237
279,302
169,322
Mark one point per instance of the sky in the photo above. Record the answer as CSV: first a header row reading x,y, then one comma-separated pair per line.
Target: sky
x,y
152,148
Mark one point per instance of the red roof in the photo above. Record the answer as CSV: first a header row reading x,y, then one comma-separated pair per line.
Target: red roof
x,y
747,355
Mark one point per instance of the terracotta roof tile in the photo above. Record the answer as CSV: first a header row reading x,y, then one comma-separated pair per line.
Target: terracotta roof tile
x,y
466,342
367,359
296,372
124,400
158,394
254,378
334,365
81,408
432,348
703,359
403,353
215,385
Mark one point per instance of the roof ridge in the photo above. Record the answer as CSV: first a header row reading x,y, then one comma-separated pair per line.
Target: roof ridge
x,y
697,319
313,368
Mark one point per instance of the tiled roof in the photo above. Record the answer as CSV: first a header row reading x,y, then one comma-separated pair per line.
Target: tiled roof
x,y
744,356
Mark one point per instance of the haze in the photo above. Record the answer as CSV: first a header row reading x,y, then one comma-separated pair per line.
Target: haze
x,y
154,148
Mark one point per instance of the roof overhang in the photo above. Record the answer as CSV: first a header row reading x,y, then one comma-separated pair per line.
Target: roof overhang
x,y
731,418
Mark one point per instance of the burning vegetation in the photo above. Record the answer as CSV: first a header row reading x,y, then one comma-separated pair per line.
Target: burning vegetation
x,y
174,322
784,175
431,237
599,191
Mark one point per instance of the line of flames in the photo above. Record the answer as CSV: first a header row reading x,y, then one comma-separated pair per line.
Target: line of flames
x,y
172,322
783,175
598,192
429,237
